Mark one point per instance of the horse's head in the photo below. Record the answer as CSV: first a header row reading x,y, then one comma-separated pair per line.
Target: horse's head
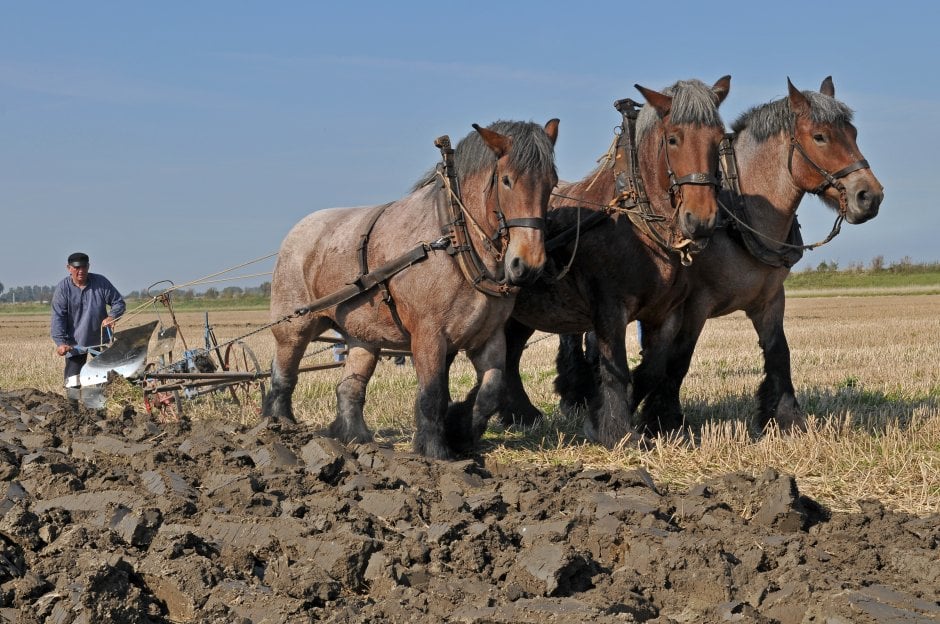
x,y
518,191
680,141
824,157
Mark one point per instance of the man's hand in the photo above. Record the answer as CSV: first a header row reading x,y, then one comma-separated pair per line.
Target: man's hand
x,y
107,322
63,349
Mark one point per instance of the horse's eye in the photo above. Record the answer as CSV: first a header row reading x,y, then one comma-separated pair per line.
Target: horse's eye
x,y
819,138
673,139
506,182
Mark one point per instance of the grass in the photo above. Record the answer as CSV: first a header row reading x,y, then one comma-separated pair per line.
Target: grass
x,y
866,369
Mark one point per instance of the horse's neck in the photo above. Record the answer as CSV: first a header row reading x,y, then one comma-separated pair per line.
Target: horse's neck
x,y
769,193
595,190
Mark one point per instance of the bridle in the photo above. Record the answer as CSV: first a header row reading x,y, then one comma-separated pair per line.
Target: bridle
x,y
631,196
829,179
787,253
454,216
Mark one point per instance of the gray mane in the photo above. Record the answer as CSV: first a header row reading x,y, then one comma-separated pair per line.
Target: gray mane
x,y
693,102
775,118
531,151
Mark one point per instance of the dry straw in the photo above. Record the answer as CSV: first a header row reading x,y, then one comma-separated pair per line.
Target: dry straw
x,y
867,369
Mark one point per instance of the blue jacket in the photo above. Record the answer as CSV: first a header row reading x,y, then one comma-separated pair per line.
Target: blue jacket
x,y
77,313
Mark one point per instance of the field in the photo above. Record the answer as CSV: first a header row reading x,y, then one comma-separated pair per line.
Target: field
x,y
867,369
220,518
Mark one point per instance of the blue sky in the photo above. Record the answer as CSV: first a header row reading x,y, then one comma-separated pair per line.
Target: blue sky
x,y
170,140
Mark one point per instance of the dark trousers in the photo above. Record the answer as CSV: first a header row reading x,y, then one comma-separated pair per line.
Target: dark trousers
x,y
73,364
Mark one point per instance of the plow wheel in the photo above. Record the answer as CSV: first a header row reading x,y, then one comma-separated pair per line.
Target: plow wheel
x,y
165,407
240,358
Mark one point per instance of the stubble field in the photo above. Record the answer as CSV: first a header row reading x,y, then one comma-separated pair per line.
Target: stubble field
x,y
219,518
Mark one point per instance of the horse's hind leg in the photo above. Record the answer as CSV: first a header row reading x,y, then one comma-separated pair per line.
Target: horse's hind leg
x,y
291,341
776,395
350,425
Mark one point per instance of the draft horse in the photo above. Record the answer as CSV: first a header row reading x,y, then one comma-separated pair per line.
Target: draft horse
x,y
626,259
778,152
446,262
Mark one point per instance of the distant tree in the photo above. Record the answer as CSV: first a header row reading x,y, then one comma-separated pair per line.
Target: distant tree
x,y
232,292
877,264
211,293
1,288
822,267
266,289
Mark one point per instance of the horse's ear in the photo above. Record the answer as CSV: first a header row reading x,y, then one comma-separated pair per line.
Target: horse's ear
x,y
662,103
551,129
497,142
721,88
827,87
798,102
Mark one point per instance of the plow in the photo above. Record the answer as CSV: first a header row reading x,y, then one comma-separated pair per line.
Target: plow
x,y
157,357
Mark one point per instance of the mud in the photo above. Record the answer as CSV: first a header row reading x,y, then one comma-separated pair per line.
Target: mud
x,y
122,520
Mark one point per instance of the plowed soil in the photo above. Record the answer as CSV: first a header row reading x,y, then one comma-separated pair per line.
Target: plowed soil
x,y
124,520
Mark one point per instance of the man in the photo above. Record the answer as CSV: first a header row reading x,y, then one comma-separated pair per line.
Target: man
x,y
80,312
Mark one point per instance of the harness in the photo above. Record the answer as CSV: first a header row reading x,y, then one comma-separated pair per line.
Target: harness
x,y
455,240
787,253
631,197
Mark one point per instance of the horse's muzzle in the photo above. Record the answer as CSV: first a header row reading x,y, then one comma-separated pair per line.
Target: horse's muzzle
x,y
695,227
519,273
864,203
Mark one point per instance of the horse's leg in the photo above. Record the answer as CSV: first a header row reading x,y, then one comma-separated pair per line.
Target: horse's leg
x,y
291,340
429,354
517,408
673,343
350,425
659,375
576,381
609,417
488,395
776,395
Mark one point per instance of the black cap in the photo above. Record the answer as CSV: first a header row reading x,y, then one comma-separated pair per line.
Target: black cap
x,y
78,259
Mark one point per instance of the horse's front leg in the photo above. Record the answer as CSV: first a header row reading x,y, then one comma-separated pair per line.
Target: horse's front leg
x,y
667,352
776,396
487,396
429,354
609,418
350,424
576,381
517,408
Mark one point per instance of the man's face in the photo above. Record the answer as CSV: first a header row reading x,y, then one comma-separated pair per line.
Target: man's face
x,y
79,274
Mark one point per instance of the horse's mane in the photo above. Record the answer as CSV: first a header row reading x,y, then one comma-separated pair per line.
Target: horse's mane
x,y
767,120
693,102
531,150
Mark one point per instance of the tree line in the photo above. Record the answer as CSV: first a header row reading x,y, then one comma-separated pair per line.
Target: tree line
x,y
43,294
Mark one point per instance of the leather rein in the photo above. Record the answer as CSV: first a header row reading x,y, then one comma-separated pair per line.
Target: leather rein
x,y
787,253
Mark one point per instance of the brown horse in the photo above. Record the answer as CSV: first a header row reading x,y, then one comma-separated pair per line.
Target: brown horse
x,y
804,143
412,293
620,270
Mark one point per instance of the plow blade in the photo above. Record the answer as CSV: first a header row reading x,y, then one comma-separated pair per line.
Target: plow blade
x,y
126,356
